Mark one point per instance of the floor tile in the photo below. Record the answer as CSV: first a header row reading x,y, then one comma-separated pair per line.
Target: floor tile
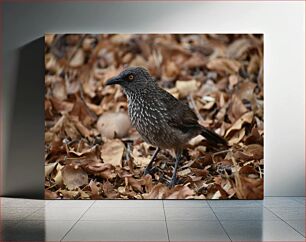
x,y
124,214
16,213
189,214
39,230
57,213
128,203
185,203
289,213
300,200
244,214
70,203
22,203
7,227
235,203
298,225
261,231
118,231
196,231
281,202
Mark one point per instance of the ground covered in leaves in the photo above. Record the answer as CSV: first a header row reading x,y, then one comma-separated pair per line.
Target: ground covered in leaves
x,y
92,152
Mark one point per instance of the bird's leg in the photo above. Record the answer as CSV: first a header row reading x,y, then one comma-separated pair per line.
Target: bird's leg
x,y
177,161
149,167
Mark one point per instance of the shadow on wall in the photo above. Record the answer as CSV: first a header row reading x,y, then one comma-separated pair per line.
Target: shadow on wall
x,y
24,170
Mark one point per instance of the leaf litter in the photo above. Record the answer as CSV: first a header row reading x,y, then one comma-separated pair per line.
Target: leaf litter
x,y
91,150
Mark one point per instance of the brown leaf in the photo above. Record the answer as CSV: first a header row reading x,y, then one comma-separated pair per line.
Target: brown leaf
x,y
83,152
224,65
237,137
59,89
245,90
250,152
254,137
60,105
256,150
179,192
139,159
81,111
74,177
85,132
238,48
186,87
50,195
94,188
112,151
247,171
245,118
108,190
98,167
250,188
157,192
237,109
78,58
200,172
49,168
135,183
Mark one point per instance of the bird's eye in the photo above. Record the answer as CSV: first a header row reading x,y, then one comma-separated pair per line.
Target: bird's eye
x,y
131,77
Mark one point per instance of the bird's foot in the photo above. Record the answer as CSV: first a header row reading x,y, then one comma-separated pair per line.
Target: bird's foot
x,y
172,182
148,170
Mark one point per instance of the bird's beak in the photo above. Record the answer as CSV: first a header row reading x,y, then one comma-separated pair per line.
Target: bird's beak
x,y
114,80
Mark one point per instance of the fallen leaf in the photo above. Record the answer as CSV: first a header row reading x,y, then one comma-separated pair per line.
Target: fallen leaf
x,y
50,195
224,65
245,118
238,48
94,188
237,137
186,87
112,151
74,177
49,168
78,58
179,192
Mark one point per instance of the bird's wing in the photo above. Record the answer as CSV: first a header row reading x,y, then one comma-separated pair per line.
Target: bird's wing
x,y
179,116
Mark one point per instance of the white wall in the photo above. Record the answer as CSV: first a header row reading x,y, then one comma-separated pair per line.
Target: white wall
x,y
283,24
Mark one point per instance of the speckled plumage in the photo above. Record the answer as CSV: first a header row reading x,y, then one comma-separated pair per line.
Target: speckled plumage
x,y
161,119
149,113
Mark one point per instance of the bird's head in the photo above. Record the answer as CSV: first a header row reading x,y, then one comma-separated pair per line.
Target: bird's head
x,y
132,79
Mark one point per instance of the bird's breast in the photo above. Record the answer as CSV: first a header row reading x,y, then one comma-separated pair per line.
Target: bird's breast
x,y
149,118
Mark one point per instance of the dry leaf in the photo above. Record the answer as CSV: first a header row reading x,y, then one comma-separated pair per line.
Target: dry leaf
x,y
49,168
245,118
74,177
112,151
224,75
78,58
186,87
224,65
237,137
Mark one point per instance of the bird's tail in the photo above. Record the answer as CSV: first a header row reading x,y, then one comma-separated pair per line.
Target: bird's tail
x,y
213,138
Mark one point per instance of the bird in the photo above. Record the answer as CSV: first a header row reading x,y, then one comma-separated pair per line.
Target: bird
x,y
161,120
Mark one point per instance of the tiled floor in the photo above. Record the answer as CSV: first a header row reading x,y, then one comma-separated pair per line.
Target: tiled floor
x,y
274,219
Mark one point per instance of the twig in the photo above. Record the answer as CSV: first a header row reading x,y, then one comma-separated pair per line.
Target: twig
x,y
221,152
76,48
259,76
194,107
